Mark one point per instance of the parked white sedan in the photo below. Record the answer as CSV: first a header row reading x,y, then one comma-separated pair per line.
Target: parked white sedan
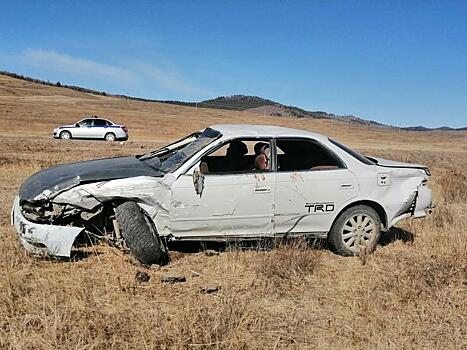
x,y
92,128
228,182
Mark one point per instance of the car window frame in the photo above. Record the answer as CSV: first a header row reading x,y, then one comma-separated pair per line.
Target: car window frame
x,y
85,125
213,149
323,146
101,126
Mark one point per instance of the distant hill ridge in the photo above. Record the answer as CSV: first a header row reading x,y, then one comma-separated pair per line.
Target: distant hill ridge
x,y
245,102
241,103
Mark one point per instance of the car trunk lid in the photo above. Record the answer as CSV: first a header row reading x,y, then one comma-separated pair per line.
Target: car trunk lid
x,y
394,164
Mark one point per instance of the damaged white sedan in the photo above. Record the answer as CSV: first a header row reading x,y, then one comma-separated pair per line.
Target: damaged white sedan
x,y
228,182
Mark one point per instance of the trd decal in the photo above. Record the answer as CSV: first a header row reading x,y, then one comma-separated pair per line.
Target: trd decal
x,y
317,208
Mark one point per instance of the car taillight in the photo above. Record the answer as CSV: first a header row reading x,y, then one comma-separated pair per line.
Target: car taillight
x,y
124,128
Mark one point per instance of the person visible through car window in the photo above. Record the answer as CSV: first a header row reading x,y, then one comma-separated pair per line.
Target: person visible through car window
x,y
262,154
235,156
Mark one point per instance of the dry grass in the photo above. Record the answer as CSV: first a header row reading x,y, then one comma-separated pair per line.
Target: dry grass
x,y
288,261
409,294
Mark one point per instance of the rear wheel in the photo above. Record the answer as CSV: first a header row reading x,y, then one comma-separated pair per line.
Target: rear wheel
x,y
356,231
65,135
140,234
110,137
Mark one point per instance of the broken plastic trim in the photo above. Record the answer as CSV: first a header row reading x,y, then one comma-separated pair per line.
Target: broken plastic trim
x,y
43,239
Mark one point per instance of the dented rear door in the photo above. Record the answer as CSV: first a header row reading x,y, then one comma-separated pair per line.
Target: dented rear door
x,y
308,201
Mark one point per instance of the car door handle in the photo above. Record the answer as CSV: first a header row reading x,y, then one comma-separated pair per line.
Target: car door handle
x,y
262,189
346,185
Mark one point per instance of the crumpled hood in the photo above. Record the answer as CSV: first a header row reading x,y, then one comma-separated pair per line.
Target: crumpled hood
x,y
393,164
67,176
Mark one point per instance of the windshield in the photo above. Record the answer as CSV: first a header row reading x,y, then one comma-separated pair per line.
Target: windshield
x,y
354,154
169,159
171,147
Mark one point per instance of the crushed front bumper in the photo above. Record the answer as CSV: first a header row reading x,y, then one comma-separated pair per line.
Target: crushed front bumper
x,y
43,239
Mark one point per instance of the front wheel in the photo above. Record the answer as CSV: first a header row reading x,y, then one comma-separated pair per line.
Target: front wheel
x,y
110,137
356,231
65,135
140,234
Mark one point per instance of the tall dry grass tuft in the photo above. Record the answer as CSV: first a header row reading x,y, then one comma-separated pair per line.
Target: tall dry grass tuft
x,y
288,261
211,323
454,186
443,216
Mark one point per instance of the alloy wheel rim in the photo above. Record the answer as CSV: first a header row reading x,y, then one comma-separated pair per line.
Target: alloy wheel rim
x,y
358,231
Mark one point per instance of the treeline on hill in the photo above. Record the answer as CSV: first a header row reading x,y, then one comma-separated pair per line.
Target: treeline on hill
x,y
244,102
90,91
57,84
235,102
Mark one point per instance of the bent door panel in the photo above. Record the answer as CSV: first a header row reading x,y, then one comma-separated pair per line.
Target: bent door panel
x,y
307,201
237,205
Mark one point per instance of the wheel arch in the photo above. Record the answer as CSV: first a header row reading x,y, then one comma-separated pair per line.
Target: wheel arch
x,y
110,133
370,203
65,130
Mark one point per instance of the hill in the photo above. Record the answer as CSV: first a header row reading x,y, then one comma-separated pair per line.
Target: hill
x,y
276,109
252,104
441,128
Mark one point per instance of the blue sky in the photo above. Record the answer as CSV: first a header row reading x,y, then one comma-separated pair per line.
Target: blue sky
x,y
401,63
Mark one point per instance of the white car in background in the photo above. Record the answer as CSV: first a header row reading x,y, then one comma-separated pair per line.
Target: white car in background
x,y
228,182
92,128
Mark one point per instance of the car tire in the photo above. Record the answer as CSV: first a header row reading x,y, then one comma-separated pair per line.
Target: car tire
x,y
140,234
110,136
356,231
65,135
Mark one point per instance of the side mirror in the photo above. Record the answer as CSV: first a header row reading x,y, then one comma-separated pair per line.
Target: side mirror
x,y
198,181
77,125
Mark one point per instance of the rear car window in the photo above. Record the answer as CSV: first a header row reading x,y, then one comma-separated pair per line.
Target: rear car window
x,y
99,122
354,154
305,154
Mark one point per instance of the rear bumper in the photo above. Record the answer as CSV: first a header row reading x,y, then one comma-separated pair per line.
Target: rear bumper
x,y
43,239
423,202
422,206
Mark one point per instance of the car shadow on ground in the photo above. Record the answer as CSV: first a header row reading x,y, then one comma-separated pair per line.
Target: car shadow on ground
x,y
84,251
195,246
78,255
257,245
396,234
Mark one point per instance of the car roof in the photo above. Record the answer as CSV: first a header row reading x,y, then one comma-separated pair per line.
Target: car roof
x,y
96,118
245,130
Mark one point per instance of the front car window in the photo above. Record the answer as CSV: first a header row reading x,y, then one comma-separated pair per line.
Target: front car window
x,y
238,156
85,122
354,154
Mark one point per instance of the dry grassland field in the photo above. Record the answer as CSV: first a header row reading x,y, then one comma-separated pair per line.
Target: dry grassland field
x,y
409,294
